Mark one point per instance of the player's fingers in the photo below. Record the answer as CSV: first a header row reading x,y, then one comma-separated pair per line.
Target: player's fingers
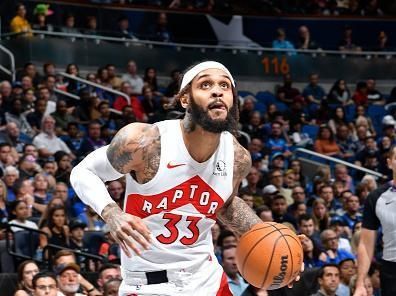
x,y
142,228
123,246
138,237
301,237
127,239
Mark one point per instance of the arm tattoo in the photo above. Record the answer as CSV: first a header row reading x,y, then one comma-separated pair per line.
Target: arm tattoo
x,y
236,213
242,163
124,149
238,216
117,152
109,212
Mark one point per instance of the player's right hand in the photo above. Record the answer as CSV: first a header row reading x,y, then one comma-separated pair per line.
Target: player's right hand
x,y
360,291
127,230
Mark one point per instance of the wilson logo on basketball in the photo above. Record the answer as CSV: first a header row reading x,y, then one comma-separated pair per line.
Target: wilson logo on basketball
x,y
278,279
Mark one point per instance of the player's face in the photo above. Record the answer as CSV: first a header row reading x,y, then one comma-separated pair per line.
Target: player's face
x,y
211,101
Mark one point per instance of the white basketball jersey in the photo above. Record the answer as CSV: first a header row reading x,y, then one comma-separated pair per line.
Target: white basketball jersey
x,y
180,203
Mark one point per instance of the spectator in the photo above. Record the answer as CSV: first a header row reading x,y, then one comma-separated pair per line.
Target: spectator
x,y
20,210
47,142
11,175
127,117
73,139
69,25
92,141
340,94
295,165
73,86
306,226
64,167
92,26
352,215
276,179
329,279
150,79
313,257
344,140
330,244
111,287
134,80
235,281
76,228
337,119
43,281
108,272
68,279
360,96
41,11
265,213
279,210
383,44
325,142
116,191
173,87
281,43
326,193
347,271
35,118
19,24
26,272
347,44
62,117
304,39
276,141
15,115
286,93
341,175
374,275
373,95
57,229
320,214
123,30
160,31
255,127
314,94
115,81
371,9
343,233
252,188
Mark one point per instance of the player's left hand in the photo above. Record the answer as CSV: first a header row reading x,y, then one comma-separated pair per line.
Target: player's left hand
x,y
301,237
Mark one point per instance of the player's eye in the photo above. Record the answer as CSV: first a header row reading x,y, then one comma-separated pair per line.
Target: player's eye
x,y
205,85
224,85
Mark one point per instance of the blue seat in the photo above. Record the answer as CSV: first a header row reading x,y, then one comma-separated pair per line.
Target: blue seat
x,y
261,107
26,243
244,93
311,130
376,113
265,97
350,112
282,107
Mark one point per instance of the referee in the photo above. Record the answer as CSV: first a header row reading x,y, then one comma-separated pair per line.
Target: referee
x,y
379,211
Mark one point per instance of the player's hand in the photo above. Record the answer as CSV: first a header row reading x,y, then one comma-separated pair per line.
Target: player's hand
x,y
301,237
127,230
360,291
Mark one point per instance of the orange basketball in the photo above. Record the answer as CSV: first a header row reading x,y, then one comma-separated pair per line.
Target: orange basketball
x,y
269,256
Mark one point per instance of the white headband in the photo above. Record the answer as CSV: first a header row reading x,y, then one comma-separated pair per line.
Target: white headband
x,y
190,75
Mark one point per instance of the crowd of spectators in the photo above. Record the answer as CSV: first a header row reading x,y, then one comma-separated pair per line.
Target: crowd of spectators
x,y
44,134
159,30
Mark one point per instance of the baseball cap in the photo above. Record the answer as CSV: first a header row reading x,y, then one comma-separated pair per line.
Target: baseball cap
x,y
388,120
277,154
270,189
75,223
337,221
63,267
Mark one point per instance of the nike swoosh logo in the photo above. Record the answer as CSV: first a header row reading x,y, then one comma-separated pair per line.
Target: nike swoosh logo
x,y
172,166
389,202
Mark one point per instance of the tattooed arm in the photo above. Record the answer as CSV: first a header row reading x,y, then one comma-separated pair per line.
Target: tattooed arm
x,y
134,148
236,213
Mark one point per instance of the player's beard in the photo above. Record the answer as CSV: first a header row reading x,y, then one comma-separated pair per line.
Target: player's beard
x,y
201,117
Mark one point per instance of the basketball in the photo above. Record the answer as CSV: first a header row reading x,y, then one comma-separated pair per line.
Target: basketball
x,y
269,256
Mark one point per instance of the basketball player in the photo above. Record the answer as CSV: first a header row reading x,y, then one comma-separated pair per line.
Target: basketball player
x,y
181,175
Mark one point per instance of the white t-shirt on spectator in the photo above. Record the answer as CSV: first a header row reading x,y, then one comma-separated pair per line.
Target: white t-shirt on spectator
x,y
27,223
51,108
53,144
344,244
135,81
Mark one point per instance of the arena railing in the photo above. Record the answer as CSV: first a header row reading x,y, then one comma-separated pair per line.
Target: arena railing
x,y
118,93
203,47
11,72
333,160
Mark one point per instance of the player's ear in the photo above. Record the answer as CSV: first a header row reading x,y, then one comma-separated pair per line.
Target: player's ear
x,y
185,100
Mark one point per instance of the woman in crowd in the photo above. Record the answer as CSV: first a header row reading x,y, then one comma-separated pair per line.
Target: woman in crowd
x,y
150,80
56,228
320,214
64,167
325,142
41,195
340,94
337,119
313,256
26,271
54,202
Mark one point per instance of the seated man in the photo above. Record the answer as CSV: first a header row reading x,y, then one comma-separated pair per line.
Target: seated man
x,y
329,279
